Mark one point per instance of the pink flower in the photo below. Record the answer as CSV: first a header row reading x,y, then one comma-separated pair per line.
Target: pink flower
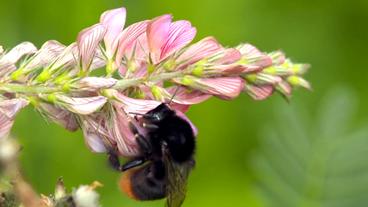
x,y
148,43
166,37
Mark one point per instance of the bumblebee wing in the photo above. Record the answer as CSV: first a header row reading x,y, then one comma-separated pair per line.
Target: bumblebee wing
x,y
177,175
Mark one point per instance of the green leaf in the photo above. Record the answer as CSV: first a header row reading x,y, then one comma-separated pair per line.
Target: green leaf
x,y
306,162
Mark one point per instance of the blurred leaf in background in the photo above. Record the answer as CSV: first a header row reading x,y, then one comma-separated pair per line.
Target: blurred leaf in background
x,y
315,162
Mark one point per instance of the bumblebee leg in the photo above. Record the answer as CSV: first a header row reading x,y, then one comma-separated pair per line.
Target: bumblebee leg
x,y
144,145
150,126
114,161
133,163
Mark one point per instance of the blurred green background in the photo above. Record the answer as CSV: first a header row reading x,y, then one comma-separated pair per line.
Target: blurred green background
x,y
330,35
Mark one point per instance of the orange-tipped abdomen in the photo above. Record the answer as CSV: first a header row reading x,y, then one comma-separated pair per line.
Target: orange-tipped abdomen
x,y
125,184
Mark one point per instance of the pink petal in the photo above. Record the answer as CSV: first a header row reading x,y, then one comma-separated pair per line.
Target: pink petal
x,y
8,111
229,56
6,68
157,35
114,21
95,83
88,41
82,106
222,87
66,58
59,116
139,106
179,107
25,48
254,57
284,88
95,132
94,141
202,49
5,126
263,78
10,108
98,61
233,69
181,33
259,92
48,52
187,97
122,134
128,40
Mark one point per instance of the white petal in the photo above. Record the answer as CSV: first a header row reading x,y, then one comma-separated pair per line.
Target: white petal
x,y
96,83
25,48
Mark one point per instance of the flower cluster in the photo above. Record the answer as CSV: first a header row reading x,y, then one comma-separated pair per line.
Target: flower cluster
x,y
142,65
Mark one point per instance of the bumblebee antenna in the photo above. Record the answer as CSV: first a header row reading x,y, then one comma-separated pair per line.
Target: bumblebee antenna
x,y
173,96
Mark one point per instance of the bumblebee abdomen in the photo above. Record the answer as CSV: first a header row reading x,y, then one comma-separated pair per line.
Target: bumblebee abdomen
x,y
138,185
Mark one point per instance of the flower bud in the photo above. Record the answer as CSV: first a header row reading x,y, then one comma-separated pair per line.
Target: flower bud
x,y
298,81
86,196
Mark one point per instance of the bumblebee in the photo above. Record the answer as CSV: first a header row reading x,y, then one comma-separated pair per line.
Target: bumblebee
x,y
167,157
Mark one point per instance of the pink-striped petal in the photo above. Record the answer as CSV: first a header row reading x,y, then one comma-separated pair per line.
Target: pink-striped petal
x,y
129,40
6,68
180,34
11,107
95,132
48,52
259,92
95,83
83,106
114,21
284,88
5,126
185,96
254,57
94,141
157,35
25,48
59,116
8,111
233,69
202,49
229,56
222,87
139,106
66,58
88,41
122,134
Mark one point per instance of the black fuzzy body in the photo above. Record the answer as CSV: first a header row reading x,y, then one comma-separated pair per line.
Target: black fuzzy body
x,y
173,131
169,137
